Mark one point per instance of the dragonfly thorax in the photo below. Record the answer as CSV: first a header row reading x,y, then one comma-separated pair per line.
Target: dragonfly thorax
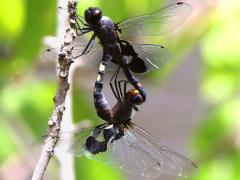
x,y
106,32
106,18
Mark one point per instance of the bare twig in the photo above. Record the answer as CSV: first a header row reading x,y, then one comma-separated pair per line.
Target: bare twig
x,y
54,123
65,158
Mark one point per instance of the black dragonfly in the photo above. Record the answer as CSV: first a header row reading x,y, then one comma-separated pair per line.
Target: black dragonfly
x,y
121,143
131,57
117,50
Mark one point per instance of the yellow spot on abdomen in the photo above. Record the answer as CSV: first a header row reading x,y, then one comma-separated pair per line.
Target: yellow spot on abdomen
x,y
98,78
101,67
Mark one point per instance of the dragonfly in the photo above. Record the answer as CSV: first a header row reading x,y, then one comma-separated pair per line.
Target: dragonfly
x,y
132,57
122,144
116,48
117,42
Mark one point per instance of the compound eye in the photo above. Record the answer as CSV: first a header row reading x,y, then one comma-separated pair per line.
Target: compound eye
x,y
137,99
134,97
93,15
88,15
98,13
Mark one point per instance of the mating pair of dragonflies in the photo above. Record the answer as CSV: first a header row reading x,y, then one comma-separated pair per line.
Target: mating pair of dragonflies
x,y
119,141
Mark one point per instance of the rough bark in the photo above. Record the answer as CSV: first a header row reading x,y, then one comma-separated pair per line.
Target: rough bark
x,y
54,123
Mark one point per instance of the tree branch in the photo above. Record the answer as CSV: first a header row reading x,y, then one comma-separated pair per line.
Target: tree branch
x,y
54,123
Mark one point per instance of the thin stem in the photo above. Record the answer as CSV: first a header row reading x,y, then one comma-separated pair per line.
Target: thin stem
x,y
54,123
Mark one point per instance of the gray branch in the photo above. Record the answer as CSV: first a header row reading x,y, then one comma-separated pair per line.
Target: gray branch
x,y
54,123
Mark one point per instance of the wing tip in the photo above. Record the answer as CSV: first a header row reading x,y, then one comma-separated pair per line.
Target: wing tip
x,y
179,3
182,3
194,165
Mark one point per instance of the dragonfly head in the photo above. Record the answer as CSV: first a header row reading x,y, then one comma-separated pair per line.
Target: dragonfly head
x,y
134,97
93,15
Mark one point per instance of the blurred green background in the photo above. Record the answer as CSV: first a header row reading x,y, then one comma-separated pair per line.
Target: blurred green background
x,y
208,44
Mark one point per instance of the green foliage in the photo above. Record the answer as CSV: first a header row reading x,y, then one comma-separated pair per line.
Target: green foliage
x,y
98,170
81,101
217,139
25,110
25,106
221,55
8,145
23,33
217,129
9,30
31,108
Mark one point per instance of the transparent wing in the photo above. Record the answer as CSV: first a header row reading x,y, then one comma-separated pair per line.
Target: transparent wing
x,y
149,57
50,54
89,60
156,24
137,152
126,155
73,141
169,161
131,157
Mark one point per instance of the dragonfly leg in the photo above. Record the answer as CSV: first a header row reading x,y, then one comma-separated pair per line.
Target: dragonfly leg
x,y
80,31
115,90
87,48
116,86
81,21
89,45
132,79
103,109
124,90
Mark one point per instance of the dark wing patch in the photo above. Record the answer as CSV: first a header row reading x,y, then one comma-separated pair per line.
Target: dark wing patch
x,y
144,58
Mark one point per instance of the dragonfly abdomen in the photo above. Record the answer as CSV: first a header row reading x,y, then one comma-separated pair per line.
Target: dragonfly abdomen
x,y
102,107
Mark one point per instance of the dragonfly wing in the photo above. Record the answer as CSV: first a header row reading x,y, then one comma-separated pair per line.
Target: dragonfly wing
x,y
73,141
158,23
89,60
144,58
169,161
136,152
128,156
133,158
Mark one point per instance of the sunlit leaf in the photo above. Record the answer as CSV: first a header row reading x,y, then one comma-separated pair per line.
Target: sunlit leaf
x,y
33,21
216,169
12,15
219,86
30,102
92,170
221,47
217,128
82,106
7,145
